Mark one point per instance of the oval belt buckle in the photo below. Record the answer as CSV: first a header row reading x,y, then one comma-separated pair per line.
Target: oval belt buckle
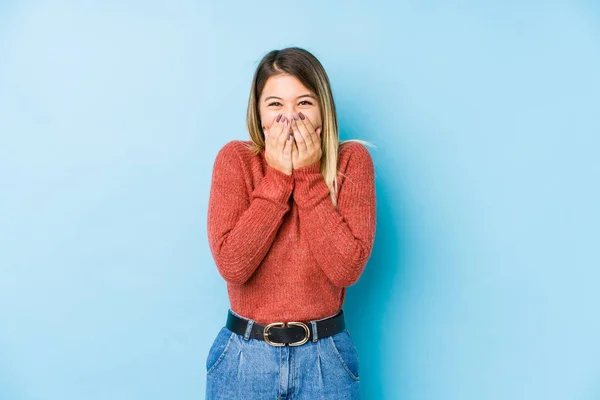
x,y
302,324
266,334
282,324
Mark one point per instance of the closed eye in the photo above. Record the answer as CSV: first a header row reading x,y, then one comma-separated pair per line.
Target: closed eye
x,y
303,101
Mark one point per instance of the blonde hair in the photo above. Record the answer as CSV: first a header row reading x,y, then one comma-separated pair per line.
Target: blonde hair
x,y
303,65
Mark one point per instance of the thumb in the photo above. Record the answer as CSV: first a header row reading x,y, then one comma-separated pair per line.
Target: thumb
x,y
318,131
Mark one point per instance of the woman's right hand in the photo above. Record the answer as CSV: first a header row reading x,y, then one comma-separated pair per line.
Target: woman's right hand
x,y
278,145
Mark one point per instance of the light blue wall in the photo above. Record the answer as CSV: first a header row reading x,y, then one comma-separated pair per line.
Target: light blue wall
x,y
483,283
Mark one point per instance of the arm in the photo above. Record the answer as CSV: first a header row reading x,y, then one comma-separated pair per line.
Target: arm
x,y
340,239
241,228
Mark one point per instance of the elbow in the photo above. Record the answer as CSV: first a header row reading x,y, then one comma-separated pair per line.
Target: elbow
x,y
345,281
351,270
231,273
349,274
231,267
235,280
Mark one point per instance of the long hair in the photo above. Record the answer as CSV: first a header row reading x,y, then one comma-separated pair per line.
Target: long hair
x,y
303,65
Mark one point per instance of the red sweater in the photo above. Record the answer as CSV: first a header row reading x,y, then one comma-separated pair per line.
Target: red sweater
x,y
286,253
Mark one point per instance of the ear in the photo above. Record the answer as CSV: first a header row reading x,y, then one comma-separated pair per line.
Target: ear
x,y
318,130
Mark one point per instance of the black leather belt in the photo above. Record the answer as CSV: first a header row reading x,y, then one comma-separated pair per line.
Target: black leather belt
x,y
290,333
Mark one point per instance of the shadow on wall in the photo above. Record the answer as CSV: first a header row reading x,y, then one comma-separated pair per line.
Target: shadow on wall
x,y
367,303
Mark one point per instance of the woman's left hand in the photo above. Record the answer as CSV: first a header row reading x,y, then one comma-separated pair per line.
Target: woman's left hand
x,y
307,142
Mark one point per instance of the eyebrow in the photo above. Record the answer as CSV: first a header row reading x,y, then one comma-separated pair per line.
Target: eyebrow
x,y
304,95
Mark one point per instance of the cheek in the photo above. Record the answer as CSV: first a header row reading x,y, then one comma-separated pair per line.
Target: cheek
x,y
314,117
268,118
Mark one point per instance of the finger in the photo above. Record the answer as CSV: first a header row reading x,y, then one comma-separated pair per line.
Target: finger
x,y
305,132
300,139
274,130
283,135
314,134
289,128
289,142
294,149
278,122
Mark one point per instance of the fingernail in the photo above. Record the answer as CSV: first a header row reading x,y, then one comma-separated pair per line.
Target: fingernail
x,y
295,116
301,115
278,117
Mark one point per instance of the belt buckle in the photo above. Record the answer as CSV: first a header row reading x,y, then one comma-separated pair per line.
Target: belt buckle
x,y
283,324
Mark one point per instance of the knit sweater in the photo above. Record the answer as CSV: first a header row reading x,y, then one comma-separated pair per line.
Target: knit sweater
x,y
285,251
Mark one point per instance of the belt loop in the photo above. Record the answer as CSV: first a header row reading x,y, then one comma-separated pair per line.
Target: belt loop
x,y
248,329
314,330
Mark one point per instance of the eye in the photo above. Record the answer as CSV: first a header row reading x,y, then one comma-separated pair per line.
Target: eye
x,y
278,103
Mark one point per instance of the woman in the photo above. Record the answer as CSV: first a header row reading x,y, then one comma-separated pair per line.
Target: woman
x,y
291,224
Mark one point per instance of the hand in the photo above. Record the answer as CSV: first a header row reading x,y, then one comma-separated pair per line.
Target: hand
x,y
307,142
278,145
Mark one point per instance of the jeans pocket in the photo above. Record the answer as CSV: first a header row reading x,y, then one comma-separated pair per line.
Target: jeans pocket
x,y
218,349
345,350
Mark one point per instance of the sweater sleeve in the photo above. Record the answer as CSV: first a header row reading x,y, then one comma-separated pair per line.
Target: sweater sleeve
x,y
340,239
242,227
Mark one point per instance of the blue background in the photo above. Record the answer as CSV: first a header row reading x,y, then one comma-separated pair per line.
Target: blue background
x,y
483,283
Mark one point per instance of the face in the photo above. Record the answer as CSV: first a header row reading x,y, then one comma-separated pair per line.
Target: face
x,y
284,94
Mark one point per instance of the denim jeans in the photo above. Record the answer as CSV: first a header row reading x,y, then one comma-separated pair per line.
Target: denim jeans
x,y
240,367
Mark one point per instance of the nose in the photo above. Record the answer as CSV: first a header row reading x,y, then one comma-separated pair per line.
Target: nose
x,y
289,110
289,113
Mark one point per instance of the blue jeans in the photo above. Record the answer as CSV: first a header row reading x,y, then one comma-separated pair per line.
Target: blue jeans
x,y
240,367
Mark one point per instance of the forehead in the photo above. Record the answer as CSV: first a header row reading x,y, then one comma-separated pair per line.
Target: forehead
x,y
284,86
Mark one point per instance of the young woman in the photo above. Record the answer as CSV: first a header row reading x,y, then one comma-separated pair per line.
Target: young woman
x,y
291,224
